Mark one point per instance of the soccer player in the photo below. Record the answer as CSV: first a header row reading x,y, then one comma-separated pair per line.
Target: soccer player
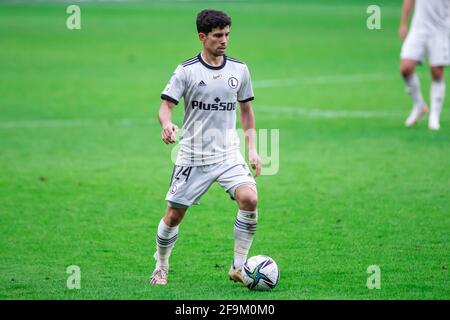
x,y
429,34
211,84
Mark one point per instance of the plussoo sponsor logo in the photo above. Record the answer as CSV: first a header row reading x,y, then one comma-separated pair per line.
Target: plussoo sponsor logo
x,y
217,106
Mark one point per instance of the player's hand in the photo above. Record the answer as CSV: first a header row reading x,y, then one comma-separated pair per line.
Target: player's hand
x,y
255,162
168,133
403,31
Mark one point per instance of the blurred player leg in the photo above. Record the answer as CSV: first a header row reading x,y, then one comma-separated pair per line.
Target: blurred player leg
x,y
439,52
412,83
413,52
437,95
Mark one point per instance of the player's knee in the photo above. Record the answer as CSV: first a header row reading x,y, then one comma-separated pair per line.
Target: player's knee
x,y
406,70
247,197
437,74
407,67
174,216
249,201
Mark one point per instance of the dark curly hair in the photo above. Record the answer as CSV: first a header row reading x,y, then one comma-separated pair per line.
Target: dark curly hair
x,y
209,19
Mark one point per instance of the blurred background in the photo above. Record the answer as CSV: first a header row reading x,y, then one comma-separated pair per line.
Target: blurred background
x,y
83,172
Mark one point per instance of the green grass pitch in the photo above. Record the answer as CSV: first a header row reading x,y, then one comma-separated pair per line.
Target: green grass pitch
x,y
84,173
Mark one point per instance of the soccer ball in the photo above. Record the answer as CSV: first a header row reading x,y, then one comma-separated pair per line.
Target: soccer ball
x,y
261,273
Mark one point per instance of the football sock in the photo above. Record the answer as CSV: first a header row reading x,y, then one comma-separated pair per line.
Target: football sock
x,y
437,95
165,240
244,230
413,88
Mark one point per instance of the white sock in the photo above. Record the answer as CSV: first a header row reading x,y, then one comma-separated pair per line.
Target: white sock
x,y
413,88
437,95
244,231
165,240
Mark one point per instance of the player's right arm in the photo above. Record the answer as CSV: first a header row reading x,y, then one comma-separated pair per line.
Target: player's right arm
x,y
172,93
165,119
406,10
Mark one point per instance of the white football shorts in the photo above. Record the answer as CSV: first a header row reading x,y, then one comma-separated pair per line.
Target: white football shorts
x,y
188,184
419,44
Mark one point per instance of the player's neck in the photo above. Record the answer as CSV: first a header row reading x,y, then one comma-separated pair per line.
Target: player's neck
x,y
215,61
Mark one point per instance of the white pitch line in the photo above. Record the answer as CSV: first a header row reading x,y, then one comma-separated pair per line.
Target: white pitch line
x,y
321,80
261,110
327,114
71,123
68,1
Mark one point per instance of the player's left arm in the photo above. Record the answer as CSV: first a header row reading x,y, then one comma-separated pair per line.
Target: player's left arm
x,y
248,125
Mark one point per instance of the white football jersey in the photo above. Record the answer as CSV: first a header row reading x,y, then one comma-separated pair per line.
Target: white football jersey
x,y
211,95
431,16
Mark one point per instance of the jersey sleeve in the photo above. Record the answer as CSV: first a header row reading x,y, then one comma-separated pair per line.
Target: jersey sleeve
x,y
175,89
245,92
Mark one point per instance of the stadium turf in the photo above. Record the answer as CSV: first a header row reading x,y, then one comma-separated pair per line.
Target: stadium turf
x,y
84,173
